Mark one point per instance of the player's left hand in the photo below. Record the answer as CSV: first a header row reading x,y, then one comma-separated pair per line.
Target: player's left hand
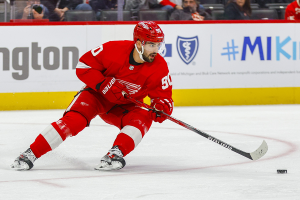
x,y
160,104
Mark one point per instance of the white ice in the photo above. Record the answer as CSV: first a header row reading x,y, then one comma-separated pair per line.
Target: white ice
x,y
170,163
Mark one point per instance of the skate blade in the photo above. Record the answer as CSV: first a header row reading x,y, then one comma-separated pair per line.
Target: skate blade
x,y
114,166
19,167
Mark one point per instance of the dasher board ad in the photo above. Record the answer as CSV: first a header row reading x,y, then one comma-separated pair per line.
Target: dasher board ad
x,y
198,55
32,61
233,55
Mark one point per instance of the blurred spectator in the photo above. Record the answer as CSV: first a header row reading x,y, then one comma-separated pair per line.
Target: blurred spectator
x,y
238,10
65,5
263,3
136,4
150,4
51,5
292,11
98,5
177,2
164,5
33,10
192,10
57,8
103,4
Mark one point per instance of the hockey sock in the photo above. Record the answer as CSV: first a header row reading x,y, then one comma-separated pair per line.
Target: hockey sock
x,y
52,136
128,138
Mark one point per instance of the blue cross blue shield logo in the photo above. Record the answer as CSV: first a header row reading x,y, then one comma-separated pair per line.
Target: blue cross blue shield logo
x,y
187,48
167,51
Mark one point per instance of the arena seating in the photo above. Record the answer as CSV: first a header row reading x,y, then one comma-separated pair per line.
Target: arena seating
x,y
273,9
282,14
264,14
213,6
154,15
211,2
217,14
2,16
79,15
112,15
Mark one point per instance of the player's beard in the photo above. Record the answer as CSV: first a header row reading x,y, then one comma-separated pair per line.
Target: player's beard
x,y
150,57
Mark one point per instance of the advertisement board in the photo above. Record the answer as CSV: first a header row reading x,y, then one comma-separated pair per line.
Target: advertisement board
x,y
199,56
233,55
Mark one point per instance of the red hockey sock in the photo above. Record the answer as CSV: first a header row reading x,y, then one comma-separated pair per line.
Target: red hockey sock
x,y
69,125
40,146
125,143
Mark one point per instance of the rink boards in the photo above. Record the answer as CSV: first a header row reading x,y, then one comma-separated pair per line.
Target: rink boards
x,y
210,63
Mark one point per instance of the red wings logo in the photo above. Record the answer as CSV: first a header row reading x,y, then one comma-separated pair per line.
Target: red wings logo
x,y
132,88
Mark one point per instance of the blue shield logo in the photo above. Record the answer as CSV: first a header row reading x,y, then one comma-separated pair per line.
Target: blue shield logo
x,y
187,48
167,51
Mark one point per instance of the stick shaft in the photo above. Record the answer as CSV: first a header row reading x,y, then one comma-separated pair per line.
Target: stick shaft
x,y
185,125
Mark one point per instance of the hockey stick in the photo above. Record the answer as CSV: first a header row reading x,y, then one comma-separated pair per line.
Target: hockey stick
x,y
255,155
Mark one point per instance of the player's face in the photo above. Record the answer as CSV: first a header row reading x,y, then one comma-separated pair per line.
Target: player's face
x,y
151,50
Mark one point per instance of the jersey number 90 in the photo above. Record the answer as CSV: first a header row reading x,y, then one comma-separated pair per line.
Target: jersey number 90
x,y
166,82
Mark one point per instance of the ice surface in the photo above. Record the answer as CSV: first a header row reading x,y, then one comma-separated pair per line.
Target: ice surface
x,y
170,163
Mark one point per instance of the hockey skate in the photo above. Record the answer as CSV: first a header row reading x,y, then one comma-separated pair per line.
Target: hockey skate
x,y
24,161
113,160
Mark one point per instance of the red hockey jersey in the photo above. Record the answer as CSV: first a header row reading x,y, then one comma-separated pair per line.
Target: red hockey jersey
x,y
112,60
292,11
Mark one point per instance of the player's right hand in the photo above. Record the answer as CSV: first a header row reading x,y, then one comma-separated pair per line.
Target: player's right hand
x,y
160,104
111,89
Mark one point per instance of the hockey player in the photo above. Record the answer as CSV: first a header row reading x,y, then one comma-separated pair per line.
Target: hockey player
x,y
109,71
292,11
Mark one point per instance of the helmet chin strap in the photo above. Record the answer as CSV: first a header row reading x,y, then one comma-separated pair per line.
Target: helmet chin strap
x,y
140,53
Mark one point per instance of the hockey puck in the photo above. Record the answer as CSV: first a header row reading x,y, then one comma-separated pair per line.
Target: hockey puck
x,y
281,171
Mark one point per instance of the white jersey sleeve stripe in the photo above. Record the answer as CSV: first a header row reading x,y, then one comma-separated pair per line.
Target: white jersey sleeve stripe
x,y
81,65
134,133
